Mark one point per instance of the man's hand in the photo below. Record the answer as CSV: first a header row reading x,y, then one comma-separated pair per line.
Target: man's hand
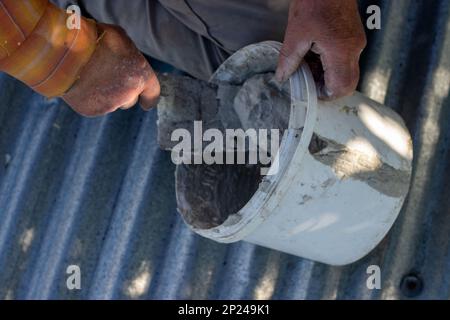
x,y
116,76
333,30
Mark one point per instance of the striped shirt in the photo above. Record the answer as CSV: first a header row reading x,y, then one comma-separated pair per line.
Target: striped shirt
x,y
40,48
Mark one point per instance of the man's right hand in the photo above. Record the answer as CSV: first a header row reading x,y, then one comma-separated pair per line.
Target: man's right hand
x,y
116,76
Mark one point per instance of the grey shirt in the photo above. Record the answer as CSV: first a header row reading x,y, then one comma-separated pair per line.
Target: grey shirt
x,y
195,36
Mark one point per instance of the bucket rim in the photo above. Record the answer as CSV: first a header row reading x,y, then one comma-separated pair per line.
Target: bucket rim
x,y
294,145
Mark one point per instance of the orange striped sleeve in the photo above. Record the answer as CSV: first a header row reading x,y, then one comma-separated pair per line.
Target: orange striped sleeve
x,y
39,49
17,21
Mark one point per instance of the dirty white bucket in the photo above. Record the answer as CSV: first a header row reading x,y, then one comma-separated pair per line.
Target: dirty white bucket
x,y
341,181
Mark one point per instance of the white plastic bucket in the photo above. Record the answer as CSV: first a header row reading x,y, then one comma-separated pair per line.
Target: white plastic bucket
x,y
332,200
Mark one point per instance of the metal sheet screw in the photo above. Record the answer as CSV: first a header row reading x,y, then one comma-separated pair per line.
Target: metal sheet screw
x,y
411,285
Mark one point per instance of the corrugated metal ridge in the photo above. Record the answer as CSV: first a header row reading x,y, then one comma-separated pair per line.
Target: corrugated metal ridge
x,y
99,193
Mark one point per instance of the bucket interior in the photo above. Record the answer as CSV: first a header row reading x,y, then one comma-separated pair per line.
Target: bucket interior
x,y
211,197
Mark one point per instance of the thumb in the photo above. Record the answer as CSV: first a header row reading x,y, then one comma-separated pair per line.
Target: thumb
x,y
341,74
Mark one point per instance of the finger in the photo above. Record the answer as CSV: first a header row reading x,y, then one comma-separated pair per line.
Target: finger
x,y
291,55
341,74
130,104
150,95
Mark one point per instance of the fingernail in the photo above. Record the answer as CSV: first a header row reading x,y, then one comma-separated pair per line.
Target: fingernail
x,y
280,76
273,82
327,93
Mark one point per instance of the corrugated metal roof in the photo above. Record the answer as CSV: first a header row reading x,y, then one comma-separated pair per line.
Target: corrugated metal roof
x,y
98,193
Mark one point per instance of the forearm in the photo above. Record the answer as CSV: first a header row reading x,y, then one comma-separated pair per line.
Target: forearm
x,y
38,48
